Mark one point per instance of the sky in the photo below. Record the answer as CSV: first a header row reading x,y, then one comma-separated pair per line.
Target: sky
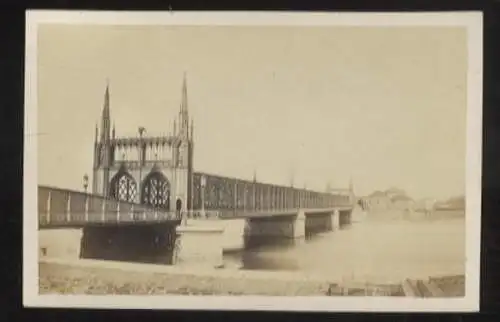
x,y
385,106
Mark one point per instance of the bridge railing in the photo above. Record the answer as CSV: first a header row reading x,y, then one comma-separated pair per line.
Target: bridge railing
x,y
65,207
214,192
199,214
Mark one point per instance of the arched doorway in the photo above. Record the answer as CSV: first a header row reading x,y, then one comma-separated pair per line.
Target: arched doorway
x,y
156,191
123,187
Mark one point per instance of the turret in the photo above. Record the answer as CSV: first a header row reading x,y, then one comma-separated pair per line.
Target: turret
x,y
183,113
106,120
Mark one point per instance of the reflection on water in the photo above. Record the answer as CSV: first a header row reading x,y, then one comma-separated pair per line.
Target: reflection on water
x,y
388,249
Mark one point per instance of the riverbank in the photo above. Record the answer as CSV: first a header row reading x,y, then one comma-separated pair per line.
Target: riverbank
x,y
414,216
100,278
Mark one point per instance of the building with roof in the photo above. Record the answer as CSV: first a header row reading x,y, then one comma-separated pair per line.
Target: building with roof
x,y
377,200
402,202
390,199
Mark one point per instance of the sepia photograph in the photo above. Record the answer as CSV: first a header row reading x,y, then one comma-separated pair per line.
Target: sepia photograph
x,y
253,160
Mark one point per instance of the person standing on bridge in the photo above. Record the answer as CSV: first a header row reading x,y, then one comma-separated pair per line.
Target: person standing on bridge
x,y
178,211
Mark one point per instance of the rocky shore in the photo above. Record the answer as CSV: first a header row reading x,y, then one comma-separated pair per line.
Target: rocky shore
x,y
64,278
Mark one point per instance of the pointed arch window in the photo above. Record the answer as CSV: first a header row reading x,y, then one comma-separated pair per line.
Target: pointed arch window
x,y
156,191
123,187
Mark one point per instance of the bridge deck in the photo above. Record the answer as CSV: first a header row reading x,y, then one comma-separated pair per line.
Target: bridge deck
x,y
78,220
240,214
63,208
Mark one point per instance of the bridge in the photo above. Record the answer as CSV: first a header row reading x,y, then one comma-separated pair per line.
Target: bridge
x,y
146,197
120,230
228,198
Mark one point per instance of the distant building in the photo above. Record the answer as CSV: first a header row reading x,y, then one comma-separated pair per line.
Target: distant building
x,y
425,205
391,199
402,202
378,200
394,192
455,203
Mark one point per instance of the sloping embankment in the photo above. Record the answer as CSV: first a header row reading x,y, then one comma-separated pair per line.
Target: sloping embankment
x,y
109,278
98,279
445,286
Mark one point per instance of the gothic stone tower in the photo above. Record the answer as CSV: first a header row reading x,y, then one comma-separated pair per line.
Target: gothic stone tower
x,y
157,171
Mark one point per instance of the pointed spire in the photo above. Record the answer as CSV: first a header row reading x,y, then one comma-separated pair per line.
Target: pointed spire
x,y
96,132
114,132
191,135
184,95
183,112
105,110
105,121
175,128
254,175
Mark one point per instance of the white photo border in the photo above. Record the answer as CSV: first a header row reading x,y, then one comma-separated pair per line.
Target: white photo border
x,y
472,21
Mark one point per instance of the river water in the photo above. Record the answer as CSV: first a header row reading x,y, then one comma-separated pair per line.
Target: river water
x,y
380,248
375,249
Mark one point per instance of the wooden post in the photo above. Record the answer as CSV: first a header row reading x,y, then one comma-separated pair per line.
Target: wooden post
x,y
269,198
274,198
103,210
49,200
203,184
132,213
118,211
279,197
156,213
86,208
262,198
245,190
254,197
68,208
235,191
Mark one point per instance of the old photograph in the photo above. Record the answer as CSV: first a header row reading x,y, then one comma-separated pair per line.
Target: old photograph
x,y
277,161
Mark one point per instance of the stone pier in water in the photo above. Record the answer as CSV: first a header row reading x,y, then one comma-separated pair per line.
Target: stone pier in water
x,y
197,242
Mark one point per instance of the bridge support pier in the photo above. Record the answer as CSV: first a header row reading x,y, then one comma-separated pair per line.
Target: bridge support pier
x,y
335,219
147,243
299,225
199,246
318,222
278,230
166,243
345,217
